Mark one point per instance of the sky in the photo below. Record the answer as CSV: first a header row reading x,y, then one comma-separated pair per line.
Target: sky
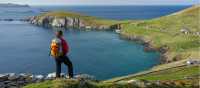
x,y
103,2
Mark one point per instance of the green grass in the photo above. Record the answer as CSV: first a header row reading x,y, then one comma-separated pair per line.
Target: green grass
x,y
175,74
66,83
166,31
46,84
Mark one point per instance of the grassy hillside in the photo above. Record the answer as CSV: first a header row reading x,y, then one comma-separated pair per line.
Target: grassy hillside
x,y
66,83
166,31
169,74
180,77
163,31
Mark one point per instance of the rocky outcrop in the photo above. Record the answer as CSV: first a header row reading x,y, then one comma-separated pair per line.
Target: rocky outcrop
x,y
51,21
12,80
69,22
148,46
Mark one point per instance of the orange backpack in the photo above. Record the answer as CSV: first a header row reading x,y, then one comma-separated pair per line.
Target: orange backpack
x,y
55,48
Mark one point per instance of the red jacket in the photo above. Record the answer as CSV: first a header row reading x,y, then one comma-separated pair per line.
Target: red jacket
x,y
65,47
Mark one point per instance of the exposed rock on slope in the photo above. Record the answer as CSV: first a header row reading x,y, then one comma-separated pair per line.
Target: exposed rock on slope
x,y
73,20
12,80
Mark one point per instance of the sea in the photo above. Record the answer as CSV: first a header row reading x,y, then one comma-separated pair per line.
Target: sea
x,y
24,48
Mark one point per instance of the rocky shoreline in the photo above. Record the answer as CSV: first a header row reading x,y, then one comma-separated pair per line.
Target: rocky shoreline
x,y
13,80
77,22
148,46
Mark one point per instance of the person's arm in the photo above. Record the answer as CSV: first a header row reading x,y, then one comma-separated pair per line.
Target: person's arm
x,y
65,47
50,50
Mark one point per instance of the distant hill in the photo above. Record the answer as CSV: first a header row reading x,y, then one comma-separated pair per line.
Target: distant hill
x,y
12,5
179,32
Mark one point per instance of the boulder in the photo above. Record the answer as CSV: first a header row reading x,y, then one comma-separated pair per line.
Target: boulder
x,y
85,77
2,85
51,75
88,27
185,30
39,77
3,77
69,22
58,22
117,31
13,78
132,81
81,24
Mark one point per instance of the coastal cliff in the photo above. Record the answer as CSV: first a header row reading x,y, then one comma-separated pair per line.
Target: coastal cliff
x,y
73,20
175,36
155,34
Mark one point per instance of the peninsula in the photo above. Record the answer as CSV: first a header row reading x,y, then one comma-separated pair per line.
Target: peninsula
x,y
12,5
175,36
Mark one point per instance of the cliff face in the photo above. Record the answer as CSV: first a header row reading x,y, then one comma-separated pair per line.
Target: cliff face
x,y
51,21
70,22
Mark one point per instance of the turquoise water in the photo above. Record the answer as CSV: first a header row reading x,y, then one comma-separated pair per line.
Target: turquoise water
x,y
24,48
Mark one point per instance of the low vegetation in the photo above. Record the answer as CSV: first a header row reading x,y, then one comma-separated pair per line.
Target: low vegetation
x,y
67,83
169,74
178,31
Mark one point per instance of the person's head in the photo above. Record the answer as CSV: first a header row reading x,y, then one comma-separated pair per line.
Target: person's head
x,y
59,33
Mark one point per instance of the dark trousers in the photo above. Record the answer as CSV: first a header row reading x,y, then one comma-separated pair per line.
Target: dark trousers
x,y
66,61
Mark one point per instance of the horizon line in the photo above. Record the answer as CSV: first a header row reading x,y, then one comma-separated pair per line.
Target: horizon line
x,y
103,4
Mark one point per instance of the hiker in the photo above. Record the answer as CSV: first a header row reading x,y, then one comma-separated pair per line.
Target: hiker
x,y
59,50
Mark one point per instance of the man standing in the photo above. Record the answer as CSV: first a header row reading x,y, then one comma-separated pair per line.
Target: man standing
x,y
59,50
